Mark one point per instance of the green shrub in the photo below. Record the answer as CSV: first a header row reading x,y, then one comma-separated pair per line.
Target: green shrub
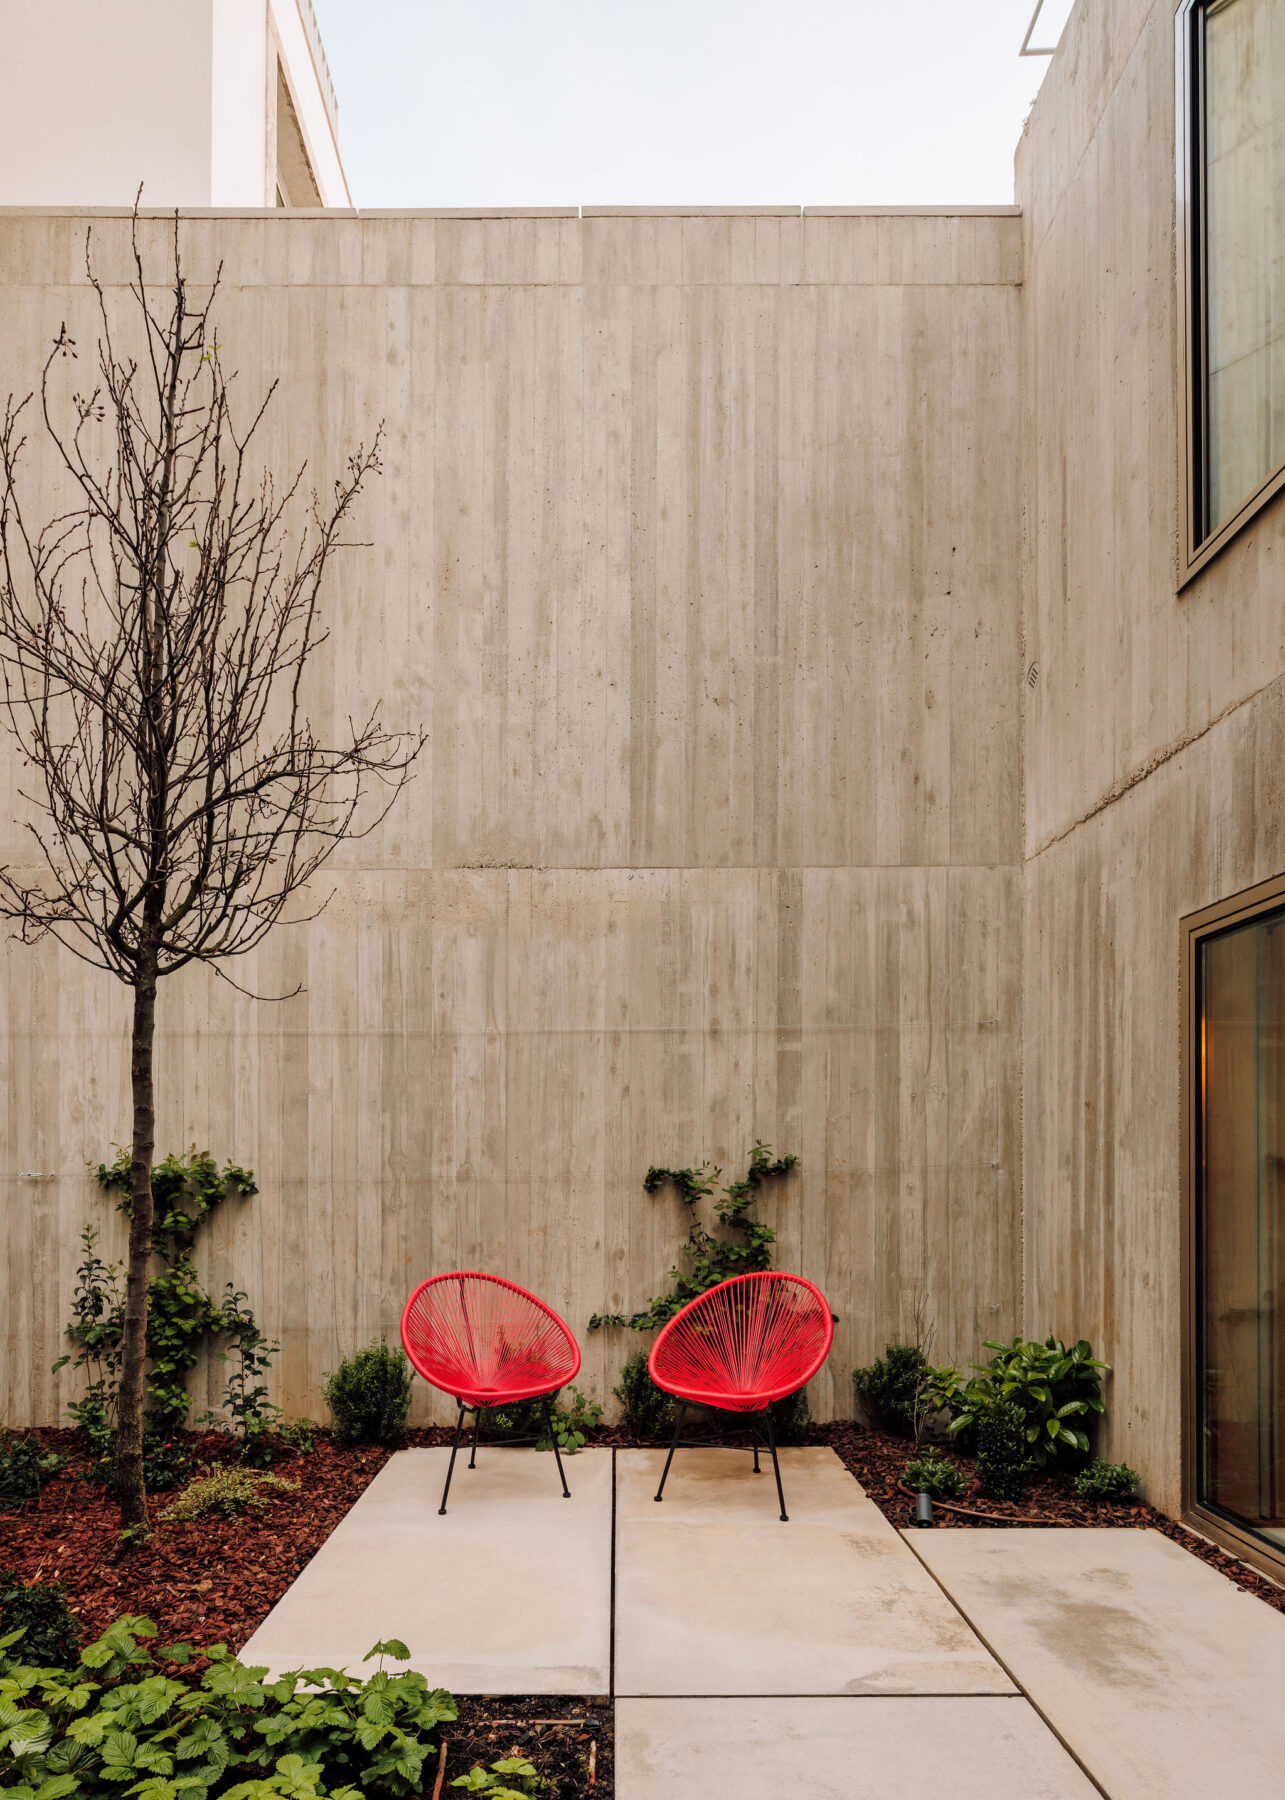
x,y
228,1491
25,1465
1003,1465
1058,1392
369,1395
889,1387
115,1724
1107,1481
571,1423
648,1410
931,1473
50,1631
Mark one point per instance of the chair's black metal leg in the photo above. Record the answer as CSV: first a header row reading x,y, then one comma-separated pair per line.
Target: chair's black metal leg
x,y
754,1438
553,1438
776,1467
678,1426
450,1468
477,1420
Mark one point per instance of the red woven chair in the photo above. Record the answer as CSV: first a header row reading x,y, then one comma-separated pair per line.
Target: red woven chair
x,y
489,1343
740,1346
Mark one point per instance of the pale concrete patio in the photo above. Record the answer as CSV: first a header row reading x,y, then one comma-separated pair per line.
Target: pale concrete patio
x,y
715,1595
833,1654
509,1593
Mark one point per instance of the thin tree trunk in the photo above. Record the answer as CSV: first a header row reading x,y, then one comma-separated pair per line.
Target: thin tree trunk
x,y
133,1380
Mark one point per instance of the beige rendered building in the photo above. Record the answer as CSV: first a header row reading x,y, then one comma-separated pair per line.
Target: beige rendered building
x,y
851,648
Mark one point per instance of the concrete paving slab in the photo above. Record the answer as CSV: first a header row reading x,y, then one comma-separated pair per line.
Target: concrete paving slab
x,y
1164,1678
510,1593
978,1748
714,1595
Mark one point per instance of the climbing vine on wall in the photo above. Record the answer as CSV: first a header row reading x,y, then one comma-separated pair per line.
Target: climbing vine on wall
x,y
744,1246
181,1317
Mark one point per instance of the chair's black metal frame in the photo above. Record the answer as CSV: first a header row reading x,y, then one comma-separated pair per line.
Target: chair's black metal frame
x,y
735,1427
545,1401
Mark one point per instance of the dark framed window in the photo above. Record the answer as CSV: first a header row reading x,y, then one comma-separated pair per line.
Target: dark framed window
x,y
1235,1126
1232,212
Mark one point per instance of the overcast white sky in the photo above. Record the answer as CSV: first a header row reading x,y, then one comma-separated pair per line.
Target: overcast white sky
x,y
665,102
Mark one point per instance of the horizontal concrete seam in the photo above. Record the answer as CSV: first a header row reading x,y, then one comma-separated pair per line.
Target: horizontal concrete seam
x,y
322,215
1156,761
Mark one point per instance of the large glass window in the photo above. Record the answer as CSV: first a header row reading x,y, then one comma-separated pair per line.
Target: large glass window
x,y
1240,1223
1236,145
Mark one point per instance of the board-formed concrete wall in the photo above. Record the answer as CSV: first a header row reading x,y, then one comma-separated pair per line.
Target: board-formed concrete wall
x,y
697,556
1153,723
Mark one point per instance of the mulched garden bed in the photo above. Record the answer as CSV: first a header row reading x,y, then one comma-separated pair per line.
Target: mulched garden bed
x,y
210,1581
215,1580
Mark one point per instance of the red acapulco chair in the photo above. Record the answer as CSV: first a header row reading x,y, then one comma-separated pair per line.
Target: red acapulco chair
x,y
489,1343
740,1346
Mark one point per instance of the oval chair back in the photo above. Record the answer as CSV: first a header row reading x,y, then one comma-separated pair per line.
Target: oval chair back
x,y
487,1342
740,1346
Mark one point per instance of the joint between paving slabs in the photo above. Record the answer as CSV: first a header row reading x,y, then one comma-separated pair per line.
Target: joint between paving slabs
x,y
1022,1691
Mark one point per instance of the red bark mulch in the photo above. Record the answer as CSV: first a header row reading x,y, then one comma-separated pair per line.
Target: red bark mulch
x,y
208,1581
877,1460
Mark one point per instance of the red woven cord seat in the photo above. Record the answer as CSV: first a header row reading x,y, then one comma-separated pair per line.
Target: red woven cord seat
x,y
740,1346
489,1343
744,1343
486,1340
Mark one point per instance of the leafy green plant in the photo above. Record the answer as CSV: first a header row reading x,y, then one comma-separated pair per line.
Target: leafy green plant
x,y
501,1781
116,1723
571,1423
648,1410
25,1465
1104,1481
228,1491
97,1321
38,1611
711,1259
369,1395
932,1473
1057,1391
895,1386
1003,1465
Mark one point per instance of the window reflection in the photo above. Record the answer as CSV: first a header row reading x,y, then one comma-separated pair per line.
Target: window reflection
x,y
1244,62
1242,1373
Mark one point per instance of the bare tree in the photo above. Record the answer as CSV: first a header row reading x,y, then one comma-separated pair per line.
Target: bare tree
x,y
154,642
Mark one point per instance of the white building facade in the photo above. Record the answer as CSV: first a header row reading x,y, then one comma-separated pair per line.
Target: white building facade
x,y
201,102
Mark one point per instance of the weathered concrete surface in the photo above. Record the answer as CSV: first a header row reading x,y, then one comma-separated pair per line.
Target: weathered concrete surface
x,y
714,1595
1161,1675
510,1593
983,1748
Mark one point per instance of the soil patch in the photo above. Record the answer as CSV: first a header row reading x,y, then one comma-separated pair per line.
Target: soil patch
x,y
569,1741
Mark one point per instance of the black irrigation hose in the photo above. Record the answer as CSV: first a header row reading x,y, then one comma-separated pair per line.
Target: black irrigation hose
x,y
971,1512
